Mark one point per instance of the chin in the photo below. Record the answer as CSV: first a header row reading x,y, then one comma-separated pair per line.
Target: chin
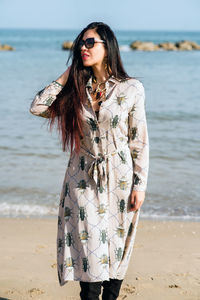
x,y
87,64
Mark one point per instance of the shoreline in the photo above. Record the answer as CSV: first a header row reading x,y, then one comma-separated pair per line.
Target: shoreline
x,y
165,262
154,218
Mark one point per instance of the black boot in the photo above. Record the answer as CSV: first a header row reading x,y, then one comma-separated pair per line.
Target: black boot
x,y
111,289
90,290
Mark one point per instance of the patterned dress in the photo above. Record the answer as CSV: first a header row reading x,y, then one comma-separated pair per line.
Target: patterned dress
x,y
96,229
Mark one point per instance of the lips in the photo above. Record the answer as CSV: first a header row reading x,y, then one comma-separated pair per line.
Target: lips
x,y
84,56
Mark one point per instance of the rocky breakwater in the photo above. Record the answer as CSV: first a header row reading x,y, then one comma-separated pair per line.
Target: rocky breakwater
x,y
67,45
6,47
168,46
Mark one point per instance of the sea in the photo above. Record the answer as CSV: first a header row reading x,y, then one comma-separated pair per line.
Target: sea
x,y
31,157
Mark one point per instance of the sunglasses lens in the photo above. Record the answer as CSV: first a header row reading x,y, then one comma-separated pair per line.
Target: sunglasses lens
x,y
81,43
89,43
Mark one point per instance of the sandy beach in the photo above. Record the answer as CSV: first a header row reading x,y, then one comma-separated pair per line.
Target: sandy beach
x,y
165,263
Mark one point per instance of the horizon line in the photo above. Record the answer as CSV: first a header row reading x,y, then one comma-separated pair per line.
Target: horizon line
x,y
115,29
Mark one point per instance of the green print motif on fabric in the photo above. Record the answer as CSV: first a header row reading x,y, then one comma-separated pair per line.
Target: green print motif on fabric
x,y
134,154
92,123
133,132
69,263
121,205
100,159
82,163
82,213
66,189
104,260
123,183
120,232
59,221
101,210
62,202
122,139
100,188
103,236
82,185
61,268
122,156
132,109
85,264
121,99
49,101
115,121
136,179
69,239
130,229
69,162
83,236
67,213
96,139
118,253
60,245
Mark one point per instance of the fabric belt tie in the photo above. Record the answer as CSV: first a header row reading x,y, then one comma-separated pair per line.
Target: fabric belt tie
x,y
97,169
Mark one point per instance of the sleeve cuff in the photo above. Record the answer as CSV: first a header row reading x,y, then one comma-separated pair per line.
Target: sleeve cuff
x,y
58,83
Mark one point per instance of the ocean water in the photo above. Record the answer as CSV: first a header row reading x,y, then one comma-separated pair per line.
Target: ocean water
x,y
31,157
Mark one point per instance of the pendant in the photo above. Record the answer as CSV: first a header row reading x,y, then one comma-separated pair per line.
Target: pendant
x,y
98,95
93,92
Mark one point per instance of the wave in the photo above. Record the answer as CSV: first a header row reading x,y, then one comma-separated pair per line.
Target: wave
x,y
33,210
125,48
27,210
171,116
168,218
21,152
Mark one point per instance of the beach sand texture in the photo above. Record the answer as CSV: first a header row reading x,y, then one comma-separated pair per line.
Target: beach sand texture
x,y
165,262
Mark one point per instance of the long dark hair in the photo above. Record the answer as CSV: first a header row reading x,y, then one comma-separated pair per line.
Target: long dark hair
x,y
67,106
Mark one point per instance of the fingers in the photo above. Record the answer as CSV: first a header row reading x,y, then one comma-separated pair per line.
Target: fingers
x,y
135,205
137,199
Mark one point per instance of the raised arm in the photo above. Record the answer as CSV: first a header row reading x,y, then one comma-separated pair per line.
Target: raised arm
x,y
44,98
138,139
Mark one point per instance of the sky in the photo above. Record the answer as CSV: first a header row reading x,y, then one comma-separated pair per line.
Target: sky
x,y
119,14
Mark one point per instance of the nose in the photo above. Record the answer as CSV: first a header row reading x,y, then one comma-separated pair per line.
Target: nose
x,y
83,47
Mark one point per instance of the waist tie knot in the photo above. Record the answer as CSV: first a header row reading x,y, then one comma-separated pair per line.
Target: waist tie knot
x,y
97,169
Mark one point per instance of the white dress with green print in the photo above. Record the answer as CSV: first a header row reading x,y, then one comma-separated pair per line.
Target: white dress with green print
x,y
96,229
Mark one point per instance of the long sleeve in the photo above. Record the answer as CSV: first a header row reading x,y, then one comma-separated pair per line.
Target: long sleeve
x,y
44,99
138,139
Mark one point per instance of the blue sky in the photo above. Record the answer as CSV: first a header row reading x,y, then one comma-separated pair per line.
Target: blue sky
x,y
119,14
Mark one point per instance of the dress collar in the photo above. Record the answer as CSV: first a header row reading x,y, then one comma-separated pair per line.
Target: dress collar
x,y
110,79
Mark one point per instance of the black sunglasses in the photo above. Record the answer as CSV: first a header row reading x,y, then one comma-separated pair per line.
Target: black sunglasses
x,y
89,43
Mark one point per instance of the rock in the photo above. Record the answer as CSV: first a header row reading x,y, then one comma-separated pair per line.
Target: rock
x,y
184,45
195,46
144,46
67,45
168,46
6,47
191,44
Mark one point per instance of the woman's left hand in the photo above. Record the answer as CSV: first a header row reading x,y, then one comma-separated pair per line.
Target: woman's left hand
x,y
137,199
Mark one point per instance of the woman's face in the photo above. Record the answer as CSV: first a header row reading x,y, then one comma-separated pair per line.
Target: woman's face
x,y
93,57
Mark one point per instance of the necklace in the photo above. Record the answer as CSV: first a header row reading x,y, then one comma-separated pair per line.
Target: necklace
x,y
99,91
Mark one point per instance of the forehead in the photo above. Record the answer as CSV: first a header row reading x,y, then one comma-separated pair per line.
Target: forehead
x,y
90,33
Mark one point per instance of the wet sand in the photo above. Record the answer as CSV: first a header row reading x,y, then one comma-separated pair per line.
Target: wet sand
x,y
165,262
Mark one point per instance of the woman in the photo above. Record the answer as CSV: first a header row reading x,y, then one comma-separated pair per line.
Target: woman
x,y
100,112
